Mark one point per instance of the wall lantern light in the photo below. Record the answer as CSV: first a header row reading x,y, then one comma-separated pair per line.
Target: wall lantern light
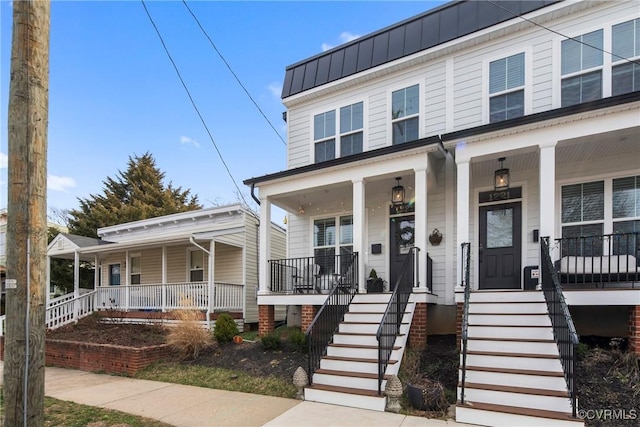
x,y
397,194
501,176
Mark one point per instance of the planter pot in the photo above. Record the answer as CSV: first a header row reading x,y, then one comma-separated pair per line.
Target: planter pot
x,y
427,395
374,285
416,397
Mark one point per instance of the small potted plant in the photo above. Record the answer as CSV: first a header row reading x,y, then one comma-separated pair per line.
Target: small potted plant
x,y
374,283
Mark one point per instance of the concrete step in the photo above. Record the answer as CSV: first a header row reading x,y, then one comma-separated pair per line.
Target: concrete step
x,y
548,380
343,396
513,346
517,397
507,416
511,332
510,319
506,296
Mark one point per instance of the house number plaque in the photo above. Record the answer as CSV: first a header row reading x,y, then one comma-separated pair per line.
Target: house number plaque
x,y
496,196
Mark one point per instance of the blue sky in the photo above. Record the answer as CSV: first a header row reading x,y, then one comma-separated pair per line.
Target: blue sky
x,y
113,92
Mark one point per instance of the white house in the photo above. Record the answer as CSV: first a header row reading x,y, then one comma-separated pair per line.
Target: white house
x,y
495,130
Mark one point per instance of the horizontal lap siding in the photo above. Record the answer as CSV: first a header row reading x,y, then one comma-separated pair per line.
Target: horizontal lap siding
x,y
298,151
378,117
435,99
151,263
300,243
436,218
177,264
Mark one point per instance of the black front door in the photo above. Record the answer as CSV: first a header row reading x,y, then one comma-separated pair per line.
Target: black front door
x,y
500,246
401,241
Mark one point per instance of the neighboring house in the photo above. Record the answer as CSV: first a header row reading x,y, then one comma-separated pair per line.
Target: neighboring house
x,y
204,259
468,133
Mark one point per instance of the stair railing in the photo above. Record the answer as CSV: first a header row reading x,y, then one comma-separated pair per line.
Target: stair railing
x,y
563,329
392,317
326,322
466,263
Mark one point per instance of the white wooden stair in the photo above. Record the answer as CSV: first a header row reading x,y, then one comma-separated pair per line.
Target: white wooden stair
x,y
348,374
514,375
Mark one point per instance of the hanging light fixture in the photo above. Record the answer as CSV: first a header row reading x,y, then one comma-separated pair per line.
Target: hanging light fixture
x,y
397,194
501,176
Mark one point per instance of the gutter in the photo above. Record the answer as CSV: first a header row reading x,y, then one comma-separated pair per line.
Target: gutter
x,y
193,242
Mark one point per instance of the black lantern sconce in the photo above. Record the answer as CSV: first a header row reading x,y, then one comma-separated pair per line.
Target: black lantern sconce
x,y
501,177
397,194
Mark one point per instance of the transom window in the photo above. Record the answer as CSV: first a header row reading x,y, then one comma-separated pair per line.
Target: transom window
x,y
350,141
625,75
506,88
405,110
329,240
196,266
581,68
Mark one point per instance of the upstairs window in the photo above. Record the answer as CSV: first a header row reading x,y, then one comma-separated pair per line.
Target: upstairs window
x,y
324,132
506,88
625,75
581,68
351,129
405,109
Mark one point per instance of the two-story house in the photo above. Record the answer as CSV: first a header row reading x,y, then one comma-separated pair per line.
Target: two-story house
x,y
483,150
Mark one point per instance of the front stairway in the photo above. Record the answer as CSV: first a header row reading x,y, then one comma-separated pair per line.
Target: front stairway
x,y
513,371
348,373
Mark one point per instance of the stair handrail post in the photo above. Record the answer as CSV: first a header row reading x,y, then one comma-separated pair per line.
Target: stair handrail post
x,y
466,263
564,331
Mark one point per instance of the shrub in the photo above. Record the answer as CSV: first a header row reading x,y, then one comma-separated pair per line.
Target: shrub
x,y
188,338
225,328
298,340
270,341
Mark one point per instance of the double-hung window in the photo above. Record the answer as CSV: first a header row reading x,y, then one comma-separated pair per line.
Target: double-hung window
x,y
581,68
625,74
351,129
136,269
196,266
332,236
405,110
324,136
114,274
626,213
506,88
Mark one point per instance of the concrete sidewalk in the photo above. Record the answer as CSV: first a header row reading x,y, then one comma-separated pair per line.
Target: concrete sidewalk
x,y
188,406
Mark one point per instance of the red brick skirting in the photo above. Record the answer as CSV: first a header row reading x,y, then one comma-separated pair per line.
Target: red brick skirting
x,y
266,319
112,359
634,329
308,314
418,331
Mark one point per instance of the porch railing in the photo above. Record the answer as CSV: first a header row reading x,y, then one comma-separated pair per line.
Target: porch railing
x,y
563,329
392,317
598,260
70,310
465,273
325,324
311,275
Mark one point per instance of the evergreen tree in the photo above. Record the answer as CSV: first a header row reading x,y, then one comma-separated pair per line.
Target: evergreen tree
x,y
138,193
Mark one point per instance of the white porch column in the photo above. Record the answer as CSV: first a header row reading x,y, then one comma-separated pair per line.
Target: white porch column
x,y
211,279
76,284
359,243
265,246
420,240
127,281
462,222
164,278
547,190
96,272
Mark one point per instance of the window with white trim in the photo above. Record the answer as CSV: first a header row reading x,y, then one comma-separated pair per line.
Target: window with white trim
x,y
351,129
626,211
324,136
625,75
196,266
581,68
506,88
114,274
329,240
136,269
405,110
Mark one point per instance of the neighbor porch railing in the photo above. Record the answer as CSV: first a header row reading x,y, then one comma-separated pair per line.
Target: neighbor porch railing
x,y
67,310
311,275
465,274
326,322
392,317
563,329
601,259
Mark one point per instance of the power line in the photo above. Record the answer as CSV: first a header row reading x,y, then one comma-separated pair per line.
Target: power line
x,y
562,35
195,107
233,73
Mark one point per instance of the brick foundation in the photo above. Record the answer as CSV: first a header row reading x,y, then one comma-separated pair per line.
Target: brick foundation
x,y
459,313
418,331
634,329
307,315
266,319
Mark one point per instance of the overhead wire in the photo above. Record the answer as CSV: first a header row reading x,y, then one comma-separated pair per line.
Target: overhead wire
x,y
233,73
496,4
193,103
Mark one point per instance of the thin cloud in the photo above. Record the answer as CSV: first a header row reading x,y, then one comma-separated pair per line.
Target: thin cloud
x,y
275,89
344,37
60,183
185,140
4,160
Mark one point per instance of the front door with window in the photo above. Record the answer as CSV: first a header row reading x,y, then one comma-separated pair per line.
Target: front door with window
x,y
500,246
401,241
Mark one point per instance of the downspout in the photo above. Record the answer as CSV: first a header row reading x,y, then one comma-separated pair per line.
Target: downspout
x,y
253,195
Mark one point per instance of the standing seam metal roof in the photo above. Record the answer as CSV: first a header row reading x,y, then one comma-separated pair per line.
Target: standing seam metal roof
x,y
437,26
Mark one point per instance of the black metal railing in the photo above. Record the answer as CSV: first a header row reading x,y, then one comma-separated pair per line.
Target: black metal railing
x,y
312,275
429,273
325,324
601,259
466,264
563,329
392,317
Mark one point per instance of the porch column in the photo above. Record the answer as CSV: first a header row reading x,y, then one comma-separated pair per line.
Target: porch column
x,y
164,278
96,272
127,281
547,190
359,231
76,284
265,246
462,222
420,239
211,277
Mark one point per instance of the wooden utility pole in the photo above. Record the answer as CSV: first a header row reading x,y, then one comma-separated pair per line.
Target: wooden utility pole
x,y
27,215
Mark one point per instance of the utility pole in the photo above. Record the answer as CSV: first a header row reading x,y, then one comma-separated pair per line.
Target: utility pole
x,y
27,215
